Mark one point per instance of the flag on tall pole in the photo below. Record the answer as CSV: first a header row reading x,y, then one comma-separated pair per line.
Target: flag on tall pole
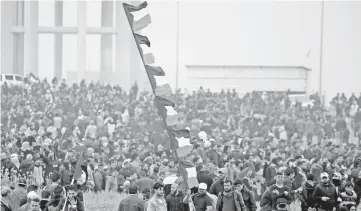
x,y
179,138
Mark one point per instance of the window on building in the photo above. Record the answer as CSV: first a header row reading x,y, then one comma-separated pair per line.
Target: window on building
x,y
46,56
93,13
70,13
46,13
70,56
18,53
93,52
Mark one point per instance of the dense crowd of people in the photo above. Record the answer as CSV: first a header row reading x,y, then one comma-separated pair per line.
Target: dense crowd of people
x,y
260,150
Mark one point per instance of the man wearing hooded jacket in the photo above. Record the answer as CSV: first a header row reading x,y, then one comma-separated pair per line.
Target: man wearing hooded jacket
x,y
325,194
305,195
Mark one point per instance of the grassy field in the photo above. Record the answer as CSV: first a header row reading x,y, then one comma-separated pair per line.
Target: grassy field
x,y
108,201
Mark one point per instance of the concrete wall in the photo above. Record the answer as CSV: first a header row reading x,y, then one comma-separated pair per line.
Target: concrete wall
x,y
261,33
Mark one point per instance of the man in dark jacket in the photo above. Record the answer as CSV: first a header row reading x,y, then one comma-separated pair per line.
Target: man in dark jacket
x,y
230,200
247,195
325,194
131,202
175,200
305,194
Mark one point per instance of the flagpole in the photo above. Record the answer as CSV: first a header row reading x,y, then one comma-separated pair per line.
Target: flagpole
x,y
149,76
177,49
321,51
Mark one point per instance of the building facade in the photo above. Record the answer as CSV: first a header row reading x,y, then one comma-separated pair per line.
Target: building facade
x,y
310,46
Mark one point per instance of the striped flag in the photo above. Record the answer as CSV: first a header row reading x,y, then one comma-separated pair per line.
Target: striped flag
x,y
131,8
142,23
161,86
181,142
172,117
189,173
148,58
128,8
142,40
146,54
155,71
161,101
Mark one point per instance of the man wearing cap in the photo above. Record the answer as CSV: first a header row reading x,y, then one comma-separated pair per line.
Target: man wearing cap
x,y
201,200
305,193
218,186
274,192
325,194
18,195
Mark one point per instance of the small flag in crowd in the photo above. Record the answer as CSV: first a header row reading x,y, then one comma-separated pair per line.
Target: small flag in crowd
x,y
155,71
142,23
189,173
181,142
142,40
78,170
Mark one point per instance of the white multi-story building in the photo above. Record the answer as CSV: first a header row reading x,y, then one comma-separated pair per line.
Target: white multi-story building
x,y
302,46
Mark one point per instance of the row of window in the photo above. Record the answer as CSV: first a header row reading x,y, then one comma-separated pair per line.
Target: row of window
x,y
46,54
46,13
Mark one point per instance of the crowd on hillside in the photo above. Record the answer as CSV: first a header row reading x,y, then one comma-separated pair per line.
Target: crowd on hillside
x,y
260,147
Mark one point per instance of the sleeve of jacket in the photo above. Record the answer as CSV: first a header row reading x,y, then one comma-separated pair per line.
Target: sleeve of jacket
x,y
167,200
266,199
317,194
80,206
212,190
241,201
151,206
218,204
141,205
301,197
252,201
